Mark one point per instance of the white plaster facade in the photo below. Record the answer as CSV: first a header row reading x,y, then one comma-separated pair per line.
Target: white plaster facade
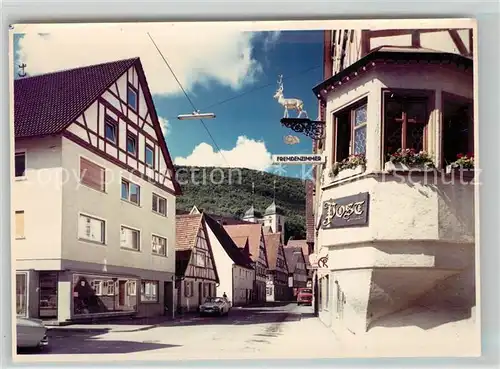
x,y
53,197
235,280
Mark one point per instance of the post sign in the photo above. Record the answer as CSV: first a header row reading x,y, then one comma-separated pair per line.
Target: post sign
x,y
299,159
346,212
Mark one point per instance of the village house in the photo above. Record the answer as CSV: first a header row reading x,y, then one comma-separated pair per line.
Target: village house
x,y
195,268
93,196
249,237
408,237
277,288
297,271
303,244
234,267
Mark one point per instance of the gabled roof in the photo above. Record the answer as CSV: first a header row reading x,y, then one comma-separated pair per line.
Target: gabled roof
x,y
252,231
273,245
46,104
49,103
231,248
187,227
300,244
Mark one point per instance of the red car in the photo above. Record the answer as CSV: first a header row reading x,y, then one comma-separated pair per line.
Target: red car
x,y
304,296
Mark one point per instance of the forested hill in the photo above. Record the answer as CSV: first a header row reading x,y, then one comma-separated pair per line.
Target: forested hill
x,y
228,192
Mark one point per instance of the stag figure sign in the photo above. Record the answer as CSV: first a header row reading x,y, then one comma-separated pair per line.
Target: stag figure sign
x,y
289,104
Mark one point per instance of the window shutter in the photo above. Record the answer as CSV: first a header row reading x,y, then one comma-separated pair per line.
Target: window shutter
x,y
91,174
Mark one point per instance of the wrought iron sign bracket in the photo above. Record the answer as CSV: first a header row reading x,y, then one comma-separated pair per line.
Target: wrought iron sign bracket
x,y
310,128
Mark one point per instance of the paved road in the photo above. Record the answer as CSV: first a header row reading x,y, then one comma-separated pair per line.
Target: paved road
x,y
245,333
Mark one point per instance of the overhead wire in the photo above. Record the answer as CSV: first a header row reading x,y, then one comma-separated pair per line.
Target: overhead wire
x,y
187,97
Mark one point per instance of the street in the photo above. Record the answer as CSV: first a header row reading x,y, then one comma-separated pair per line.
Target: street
x,y
282,331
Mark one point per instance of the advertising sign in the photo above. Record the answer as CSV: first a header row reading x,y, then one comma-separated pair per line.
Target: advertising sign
x,y
299,159
346,212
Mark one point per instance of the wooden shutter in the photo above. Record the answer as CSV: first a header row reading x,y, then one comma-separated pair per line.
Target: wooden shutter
x,y
19,224
92,175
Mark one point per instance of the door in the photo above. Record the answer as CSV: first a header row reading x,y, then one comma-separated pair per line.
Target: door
x,y
122,290
48,282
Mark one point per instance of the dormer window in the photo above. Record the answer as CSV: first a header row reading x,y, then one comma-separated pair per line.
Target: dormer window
x,y
132,97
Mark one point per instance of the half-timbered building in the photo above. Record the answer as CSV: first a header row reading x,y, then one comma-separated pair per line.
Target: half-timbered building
x,y
195,269
254,235
277,288
297,269
93,195
398,109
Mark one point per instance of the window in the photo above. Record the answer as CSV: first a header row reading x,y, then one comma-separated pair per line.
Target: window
x,y
130,238
188,289
206,290
132,144
110,129
132,97
131,288
97,287
149,291
21,294
200,259
159,205
91,229
19,224
20,164
108,288
159,245
92,175
458,128
131,192
405,120
150,156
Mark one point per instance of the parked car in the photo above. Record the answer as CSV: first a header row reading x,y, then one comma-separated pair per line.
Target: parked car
x,y
304,296
31,333
215,306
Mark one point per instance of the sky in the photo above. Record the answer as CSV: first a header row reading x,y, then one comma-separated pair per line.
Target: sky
x,y
224,71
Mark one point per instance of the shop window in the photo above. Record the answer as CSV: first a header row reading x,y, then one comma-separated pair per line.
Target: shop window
x,y
458,128
97,287
22,294
108,288
350,127
405,121
131,288
149,291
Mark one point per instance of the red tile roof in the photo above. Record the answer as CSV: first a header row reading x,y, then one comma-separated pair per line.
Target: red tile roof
x,y
252,231
186,231
300,244
273,243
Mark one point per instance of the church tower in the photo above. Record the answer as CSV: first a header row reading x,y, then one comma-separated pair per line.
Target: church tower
x,y
274,218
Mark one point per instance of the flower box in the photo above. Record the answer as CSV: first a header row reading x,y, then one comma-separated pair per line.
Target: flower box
x,y
465,173
349,172
401,167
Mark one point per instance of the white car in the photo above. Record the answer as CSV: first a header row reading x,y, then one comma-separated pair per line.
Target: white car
x,y
215,306
31,333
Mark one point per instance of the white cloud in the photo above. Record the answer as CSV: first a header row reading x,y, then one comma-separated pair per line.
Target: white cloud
x,y
165,125
247,153
271,39
196,54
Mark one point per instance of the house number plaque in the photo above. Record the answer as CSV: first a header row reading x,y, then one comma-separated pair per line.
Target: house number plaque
x,y
347,211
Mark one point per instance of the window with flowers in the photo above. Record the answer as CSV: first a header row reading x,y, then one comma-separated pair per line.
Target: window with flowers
x,y
405,119
458,132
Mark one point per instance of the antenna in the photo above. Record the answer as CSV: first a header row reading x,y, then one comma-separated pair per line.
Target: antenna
x,y
22,73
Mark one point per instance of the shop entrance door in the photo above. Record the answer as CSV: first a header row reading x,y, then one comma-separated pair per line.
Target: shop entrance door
x,y
47,305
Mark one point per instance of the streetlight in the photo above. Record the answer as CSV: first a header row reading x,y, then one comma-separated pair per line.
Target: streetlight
x,y
196,115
